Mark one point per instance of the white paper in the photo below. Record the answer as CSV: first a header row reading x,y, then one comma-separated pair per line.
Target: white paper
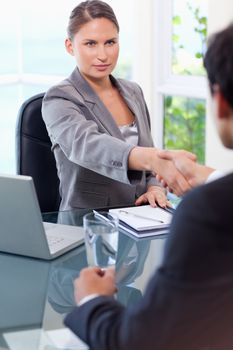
x,y
141,218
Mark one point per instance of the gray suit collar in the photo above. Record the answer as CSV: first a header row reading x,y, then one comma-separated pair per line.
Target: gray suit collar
x,y
83,87
89,94
96,105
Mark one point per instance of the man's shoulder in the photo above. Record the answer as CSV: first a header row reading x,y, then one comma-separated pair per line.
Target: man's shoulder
x,y
201,230
203,207
220,187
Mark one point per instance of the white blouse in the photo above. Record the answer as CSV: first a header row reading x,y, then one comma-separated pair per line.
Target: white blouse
x,y
130,133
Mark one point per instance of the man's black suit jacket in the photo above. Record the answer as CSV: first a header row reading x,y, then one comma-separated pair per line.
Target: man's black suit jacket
x,y
188,304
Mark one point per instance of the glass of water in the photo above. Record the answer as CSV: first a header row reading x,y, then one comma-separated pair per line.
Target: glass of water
x,y
101,238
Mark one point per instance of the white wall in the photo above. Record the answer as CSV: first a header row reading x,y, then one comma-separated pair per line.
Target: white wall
x,y
220,14
143,55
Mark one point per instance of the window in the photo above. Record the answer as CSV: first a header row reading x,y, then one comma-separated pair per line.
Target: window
x,y
33,57
189,32
184,124
180,36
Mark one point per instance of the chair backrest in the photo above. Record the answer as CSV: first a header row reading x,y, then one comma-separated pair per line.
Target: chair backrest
x,y
33,153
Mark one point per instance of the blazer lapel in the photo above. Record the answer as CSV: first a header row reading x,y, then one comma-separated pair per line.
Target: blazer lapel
x,y
131,98
95,105
100,113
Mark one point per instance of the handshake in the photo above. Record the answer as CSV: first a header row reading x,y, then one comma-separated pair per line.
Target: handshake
x,y
183,174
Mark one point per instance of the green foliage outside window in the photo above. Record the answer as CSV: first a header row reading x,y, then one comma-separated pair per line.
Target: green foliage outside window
x,y
184,125
184,120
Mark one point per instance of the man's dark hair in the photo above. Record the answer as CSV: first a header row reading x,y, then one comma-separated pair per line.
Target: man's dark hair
x,y
218,62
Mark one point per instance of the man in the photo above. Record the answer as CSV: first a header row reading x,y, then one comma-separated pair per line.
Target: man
x,y
188,304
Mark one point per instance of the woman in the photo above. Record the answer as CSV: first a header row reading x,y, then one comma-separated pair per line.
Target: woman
x,y
99,126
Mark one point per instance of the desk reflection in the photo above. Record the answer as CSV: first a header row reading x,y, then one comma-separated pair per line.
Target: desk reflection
x,y
23,296
131,257
35,294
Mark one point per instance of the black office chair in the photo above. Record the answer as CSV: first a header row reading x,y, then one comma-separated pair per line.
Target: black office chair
x,y
33,153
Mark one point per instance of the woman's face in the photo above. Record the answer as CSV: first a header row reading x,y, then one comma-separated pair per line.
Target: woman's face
x,y
95,47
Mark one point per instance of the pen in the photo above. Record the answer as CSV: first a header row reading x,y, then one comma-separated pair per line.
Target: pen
x,y
102,217
140,216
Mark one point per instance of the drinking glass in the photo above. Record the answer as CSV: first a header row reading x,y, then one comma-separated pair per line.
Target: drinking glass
x,y
101,238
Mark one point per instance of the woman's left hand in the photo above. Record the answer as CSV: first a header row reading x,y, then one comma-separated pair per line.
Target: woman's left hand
x,y
155,195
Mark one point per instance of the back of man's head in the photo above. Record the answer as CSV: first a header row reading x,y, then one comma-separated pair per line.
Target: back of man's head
x,y
218,62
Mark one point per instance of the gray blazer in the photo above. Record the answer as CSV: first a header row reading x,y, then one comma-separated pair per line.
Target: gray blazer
x,y
90,151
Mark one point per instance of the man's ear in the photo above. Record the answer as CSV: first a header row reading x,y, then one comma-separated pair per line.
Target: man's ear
x,y
223,107
69,46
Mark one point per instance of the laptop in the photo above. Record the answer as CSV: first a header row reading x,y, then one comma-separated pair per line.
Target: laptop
x,y
21,228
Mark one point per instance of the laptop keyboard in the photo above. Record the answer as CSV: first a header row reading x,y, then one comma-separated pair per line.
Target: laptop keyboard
x,y
58,243
54,241
59,236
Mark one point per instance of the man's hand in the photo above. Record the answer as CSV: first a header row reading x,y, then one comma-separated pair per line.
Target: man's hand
x,y
93,280
146,158
195,173
172,177
154,195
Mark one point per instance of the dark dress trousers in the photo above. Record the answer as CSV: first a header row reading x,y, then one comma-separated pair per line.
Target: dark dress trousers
x,y
188,304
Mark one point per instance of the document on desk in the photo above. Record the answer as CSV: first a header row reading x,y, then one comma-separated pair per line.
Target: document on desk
x,y
143,221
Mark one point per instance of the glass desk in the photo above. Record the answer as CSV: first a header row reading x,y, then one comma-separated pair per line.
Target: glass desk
x,y
35,295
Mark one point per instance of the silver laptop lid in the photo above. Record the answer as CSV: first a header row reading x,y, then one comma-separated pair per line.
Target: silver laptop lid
x,y
21,228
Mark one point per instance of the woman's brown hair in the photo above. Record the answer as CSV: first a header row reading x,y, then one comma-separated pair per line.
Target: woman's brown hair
x,y
87,11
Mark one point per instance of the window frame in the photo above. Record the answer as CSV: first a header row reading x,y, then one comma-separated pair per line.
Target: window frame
x,y
166,83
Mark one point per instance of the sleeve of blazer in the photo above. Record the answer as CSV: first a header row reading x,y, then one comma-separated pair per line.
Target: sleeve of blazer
x,y
81,139
190,286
